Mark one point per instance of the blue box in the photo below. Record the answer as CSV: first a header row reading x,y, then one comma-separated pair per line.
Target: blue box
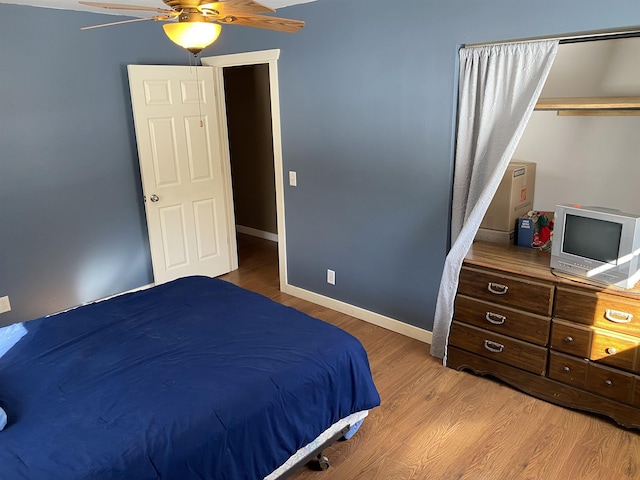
x,y
525,231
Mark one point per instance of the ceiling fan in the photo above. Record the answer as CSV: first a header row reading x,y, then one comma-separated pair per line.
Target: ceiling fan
x,y
196,24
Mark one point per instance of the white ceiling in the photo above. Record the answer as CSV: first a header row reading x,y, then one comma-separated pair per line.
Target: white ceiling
x,y
74,5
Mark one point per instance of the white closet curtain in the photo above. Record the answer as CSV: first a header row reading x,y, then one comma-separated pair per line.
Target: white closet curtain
x,y
499,86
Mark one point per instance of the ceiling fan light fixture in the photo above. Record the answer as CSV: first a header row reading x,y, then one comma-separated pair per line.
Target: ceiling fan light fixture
x,y
193,36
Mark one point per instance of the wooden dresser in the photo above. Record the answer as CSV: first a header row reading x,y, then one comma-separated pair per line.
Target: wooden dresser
x,y
560,340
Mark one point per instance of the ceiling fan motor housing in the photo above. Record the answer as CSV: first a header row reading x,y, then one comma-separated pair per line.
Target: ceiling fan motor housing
x,y
193,17
208,10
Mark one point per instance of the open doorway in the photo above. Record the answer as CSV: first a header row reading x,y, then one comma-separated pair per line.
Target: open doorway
x,y
269,58
248,109
248,106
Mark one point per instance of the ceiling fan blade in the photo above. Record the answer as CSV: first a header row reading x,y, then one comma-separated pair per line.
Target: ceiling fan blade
x,y
121,6
115,23
270,23
237,7
158,18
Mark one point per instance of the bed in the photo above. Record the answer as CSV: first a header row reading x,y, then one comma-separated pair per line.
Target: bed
x,y
195,378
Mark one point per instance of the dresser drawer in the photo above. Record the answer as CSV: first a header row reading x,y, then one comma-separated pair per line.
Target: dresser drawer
x,y
614,349
610,383
594,378
510,351
598,309
636,392
517,292
498,318
568,370
610,348
569,338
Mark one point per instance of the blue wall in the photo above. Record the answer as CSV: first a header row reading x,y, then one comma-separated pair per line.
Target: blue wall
x,y
72,225
368,92
367,101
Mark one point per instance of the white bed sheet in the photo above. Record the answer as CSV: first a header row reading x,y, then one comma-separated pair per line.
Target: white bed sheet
x,y
323,437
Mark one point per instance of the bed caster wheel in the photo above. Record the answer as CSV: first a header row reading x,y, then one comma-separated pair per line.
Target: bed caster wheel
x,y
323,462
320,463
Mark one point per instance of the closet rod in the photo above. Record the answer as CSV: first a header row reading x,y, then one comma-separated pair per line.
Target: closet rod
x,y
571,37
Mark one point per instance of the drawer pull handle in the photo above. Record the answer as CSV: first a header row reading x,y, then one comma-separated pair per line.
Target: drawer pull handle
x,y
497,288
611,350
494,347
608,383
617,316
494,318
566,369
568,339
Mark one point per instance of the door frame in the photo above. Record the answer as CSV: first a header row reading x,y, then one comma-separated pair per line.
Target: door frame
x,y
269,57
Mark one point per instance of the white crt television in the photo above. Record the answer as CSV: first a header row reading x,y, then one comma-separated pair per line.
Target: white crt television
x,y
598,244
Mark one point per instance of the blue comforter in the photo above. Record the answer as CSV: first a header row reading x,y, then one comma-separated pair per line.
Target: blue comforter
x,y
196,378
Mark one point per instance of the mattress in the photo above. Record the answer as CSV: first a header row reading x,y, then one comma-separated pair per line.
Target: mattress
x,y
352,422
195,378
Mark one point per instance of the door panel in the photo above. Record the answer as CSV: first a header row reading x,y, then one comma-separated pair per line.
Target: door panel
x,y
188,203
163,148
173,236
206,233
199,165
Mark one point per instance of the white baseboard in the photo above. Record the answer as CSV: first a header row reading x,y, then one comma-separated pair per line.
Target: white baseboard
x,y
362,314
254,232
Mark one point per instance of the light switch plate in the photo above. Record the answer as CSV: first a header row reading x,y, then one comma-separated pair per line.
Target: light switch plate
x,y
5,306
331,277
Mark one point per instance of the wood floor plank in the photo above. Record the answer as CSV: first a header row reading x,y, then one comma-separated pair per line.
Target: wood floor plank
x,y
437,423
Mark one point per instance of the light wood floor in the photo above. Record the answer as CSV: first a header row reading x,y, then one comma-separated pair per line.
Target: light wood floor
x,y
436,423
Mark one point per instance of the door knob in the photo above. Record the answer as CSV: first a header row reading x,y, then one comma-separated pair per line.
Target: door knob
x,y
154,198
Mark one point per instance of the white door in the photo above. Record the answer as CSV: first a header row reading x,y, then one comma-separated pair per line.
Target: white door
x,y
189,204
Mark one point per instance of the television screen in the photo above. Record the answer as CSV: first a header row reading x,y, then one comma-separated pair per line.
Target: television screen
x,y
591,238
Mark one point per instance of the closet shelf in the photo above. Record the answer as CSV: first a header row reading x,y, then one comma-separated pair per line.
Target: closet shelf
x,y
591,105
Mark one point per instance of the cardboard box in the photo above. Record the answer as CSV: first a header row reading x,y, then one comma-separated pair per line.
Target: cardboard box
x,y
513,199
496,236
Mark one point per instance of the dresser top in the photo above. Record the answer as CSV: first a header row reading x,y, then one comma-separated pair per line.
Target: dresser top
x,y
532,263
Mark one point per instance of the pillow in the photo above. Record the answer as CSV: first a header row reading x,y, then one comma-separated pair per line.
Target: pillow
x,y
9,336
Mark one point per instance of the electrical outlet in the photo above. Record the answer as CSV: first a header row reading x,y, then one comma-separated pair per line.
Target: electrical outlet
x,y
293,178
5,306
331,277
